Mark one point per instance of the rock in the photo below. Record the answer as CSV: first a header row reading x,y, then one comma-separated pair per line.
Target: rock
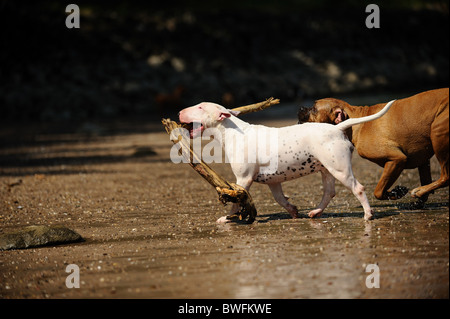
x,y
37,236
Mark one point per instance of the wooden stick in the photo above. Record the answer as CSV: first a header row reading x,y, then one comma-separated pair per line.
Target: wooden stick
x,y
257,106
228,192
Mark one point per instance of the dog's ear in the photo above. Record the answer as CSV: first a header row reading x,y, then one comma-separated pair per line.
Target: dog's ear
x,y
223,115
226,114
338,115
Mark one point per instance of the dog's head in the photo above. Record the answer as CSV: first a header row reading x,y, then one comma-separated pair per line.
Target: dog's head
x,y
204,115
324,111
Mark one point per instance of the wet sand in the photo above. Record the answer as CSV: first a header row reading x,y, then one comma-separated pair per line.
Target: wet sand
x,y
150,227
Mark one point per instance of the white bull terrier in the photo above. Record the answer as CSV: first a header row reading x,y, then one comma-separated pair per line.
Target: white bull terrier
x,y
274,155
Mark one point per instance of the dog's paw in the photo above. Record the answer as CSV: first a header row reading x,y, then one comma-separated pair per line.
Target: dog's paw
x,y
293,211
315,213
421,193
368,215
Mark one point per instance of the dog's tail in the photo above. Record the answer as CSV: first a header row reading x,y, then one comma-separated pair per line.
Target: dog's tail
x,y
355,121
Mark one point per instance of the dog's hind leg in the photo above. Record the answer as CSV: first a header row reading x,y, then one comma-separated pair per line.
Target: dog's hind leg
x,y
439,139
343,173
348,180
328,193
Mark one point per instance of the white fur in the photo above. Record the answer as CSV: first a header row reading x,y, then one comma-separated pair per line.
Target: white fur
x,y
301,150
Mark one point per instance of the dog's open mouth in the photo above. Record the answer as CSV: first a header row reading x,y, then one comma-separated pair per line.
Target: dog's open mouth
x,y
194,128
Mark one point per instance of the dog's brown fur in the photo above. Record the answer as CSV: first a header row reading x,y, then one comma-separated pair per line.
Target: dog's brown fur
x,y
411,132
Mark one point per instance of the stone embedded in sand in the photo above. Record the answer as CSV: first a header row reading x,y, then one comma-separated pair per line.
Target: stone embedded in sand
x,y
39,235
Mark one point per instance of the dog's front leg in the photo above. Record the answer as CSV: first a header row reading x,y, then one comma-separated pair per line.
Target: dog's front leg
x,y
391,172
245,183
281,199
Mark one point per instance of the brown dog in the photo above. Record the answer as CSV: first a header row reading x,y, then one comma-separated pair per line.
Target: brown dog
x,y
414,129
